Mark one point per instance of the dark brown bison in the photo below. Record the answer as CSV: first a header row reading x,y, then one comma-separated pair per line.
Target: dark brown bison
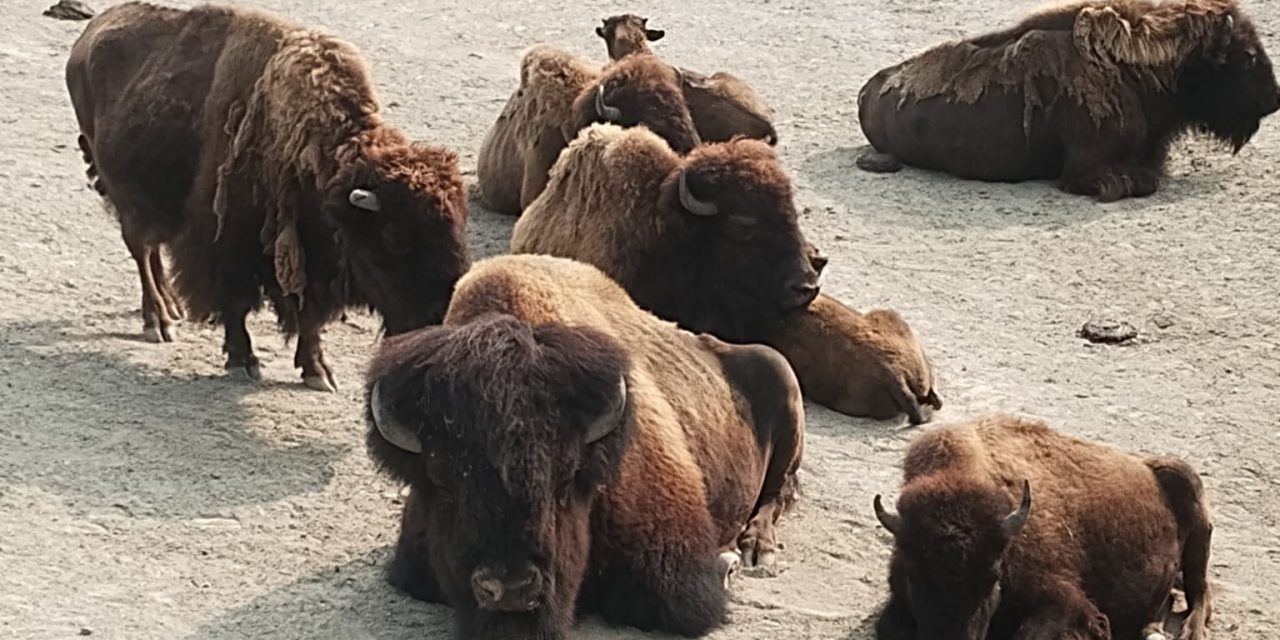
x,y
710,240
722,105
1092,93
254,149
568,451
859,364
1092,556
559,94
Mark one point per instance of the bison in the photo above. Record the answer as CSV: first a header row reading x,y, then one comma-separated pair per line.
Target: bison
x,y
858,364
709,240
567,451
722,105
255,151
1091,93
559,94
1094,555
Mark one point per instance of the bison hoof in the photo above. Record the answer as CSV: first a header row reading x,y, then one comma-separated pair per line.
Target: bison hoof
x,y
876,162
732,562
250,373
1156,635
320,383
159,334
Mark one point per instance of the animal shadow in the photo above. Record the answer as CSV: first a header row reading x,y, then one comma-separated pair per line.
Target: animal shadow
x,y
80,419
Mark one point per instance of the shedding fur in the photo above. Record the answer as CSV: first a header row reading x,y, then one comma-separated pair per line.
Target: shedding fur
x,y
1110,41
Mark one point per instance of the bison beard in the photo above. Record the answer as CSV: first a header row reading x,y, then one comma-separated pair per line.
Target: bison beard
x,y
539,430
1091,93
254,149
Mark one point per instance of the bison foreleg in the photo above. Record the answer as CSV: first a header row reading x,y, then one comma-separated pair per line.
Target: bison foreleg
x,y
674,594
165,288
1070,616
316,374
241,360
1109,183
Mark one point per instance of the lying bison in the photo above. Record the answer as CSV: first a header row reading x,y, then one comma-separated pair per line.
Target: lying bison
x,y
559,94
568,451
859,364
709,240
255,150
1093,556
722,105
1092,93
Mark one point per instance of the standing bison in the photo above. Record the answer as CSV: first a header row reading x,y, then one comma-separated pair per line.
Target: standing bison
x,y
722,105
559,94
1092,93
709,240
1093,556
255,150
568,451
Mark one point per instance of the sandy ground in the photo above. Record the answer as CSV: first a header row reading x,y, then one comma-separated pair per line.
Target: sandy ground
x,y
143,496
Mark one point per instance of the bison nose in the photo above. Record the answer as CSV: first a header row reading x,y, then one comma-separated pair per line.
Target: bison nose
x,y
516,589
819,262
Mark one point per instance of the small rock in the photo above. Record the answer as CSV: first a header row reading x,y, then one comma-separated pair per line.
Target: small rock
x,y
69,10
1163,321
876,162
86,631
1108,331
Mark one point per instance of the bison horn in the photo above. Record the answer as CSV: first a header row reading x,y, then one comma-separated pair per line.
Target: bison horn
x,y
692,204
610,114
890,520
1014,522
392,430
364,199
607,421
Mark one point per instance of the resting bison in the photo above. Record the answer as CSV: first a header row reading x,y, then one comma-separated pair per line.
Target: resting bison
x,y
858,364
722,105
709,240
568,451
559,94
1092,93
255,150
1093,556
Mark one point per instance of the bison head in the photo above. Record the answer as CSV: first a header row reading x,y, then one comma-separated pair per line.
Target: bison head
x,y
639,91
732,203
506,433
627,34
949,545
401,212
1231,86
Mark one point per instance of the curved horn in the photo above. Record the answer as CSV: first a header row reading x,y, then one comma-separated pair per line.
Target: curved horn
x,y
889,520
1014,522
364,199
692,204
607,421
392,430
610,114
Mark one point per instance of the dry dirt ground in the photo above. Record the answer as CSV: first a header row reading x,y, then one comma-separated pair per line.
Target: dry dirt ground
x,y
144,496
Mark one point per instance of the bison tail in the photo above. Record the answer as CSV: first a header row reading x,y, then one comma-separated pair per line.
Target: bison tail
x,y
95,182
1184,494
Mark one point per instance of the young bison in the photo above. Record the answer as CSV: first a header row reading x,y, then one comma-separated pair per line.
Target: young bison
x,y
254,148
1093,93
1094,556
568,451
722,105
860,365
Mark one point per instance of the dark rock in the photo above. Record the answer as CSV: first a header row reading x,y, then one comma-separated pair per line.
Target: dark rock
x,y
1108,331
69,10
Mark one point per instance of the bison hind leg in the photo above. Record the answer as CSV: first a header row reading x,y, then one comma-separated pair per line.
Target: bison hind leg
x,y
1184,493
874,161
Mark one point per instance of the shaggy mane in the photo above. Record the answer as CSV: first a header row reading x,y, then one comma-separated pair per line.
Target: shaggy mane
x,y
1085,47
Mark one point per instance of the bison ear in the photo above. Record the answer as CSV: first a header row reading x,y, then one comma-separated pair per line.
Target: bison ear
x,y
654,35
609,419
